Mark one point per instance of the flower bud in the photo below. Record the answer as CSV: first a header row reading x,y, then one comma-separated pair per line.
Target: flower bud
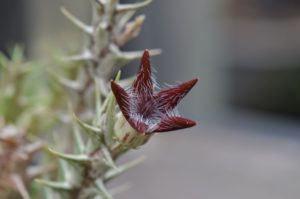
x,y
128,136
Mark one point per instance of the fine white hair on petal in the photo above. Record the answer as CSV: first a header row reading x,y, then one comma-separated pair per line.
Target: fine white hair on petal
x,y
173,113
153,78
167,85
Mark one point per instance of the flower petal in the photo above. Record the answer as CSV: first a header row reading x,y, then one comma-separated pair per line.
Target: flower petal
x,y
122,98
143,84
169,98
174,123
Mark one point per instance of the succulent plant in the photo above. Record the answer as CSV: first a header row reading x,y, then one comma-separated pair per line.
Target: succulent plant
x,y
96,120
110,135
92,163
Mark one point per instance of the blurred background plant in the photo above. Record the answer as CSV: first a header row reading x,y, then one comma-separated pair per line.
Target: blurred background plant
x,y
26,116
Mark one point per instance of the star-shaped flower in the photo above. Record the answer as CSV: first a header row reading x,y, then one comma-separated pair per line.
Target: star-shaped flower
x,y
148,111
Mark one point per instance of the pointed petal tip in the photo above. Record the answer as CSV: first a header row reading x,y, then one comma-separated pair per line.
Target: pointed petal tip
x,y
122,98
186,123
143,80
114,86
193,82
116,89
187,86
191,123
146,58
175,123
146,52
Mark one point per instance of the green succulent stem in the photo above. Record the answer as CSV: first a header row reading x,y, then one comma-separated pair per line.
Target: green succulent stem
x,y
91,162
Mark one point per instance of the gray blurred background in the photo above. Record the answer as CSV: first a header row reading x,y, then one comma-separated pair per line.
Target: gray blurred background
x,y
246,54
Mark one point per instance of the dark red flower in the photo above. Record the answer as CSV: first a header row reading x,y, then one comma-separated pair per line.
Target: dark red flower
x,y
148,111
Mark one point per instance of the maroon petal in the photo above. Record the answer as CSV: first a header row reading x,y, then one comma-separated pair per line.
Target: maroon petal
x,y
122,98
174,123
169,98
143,84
